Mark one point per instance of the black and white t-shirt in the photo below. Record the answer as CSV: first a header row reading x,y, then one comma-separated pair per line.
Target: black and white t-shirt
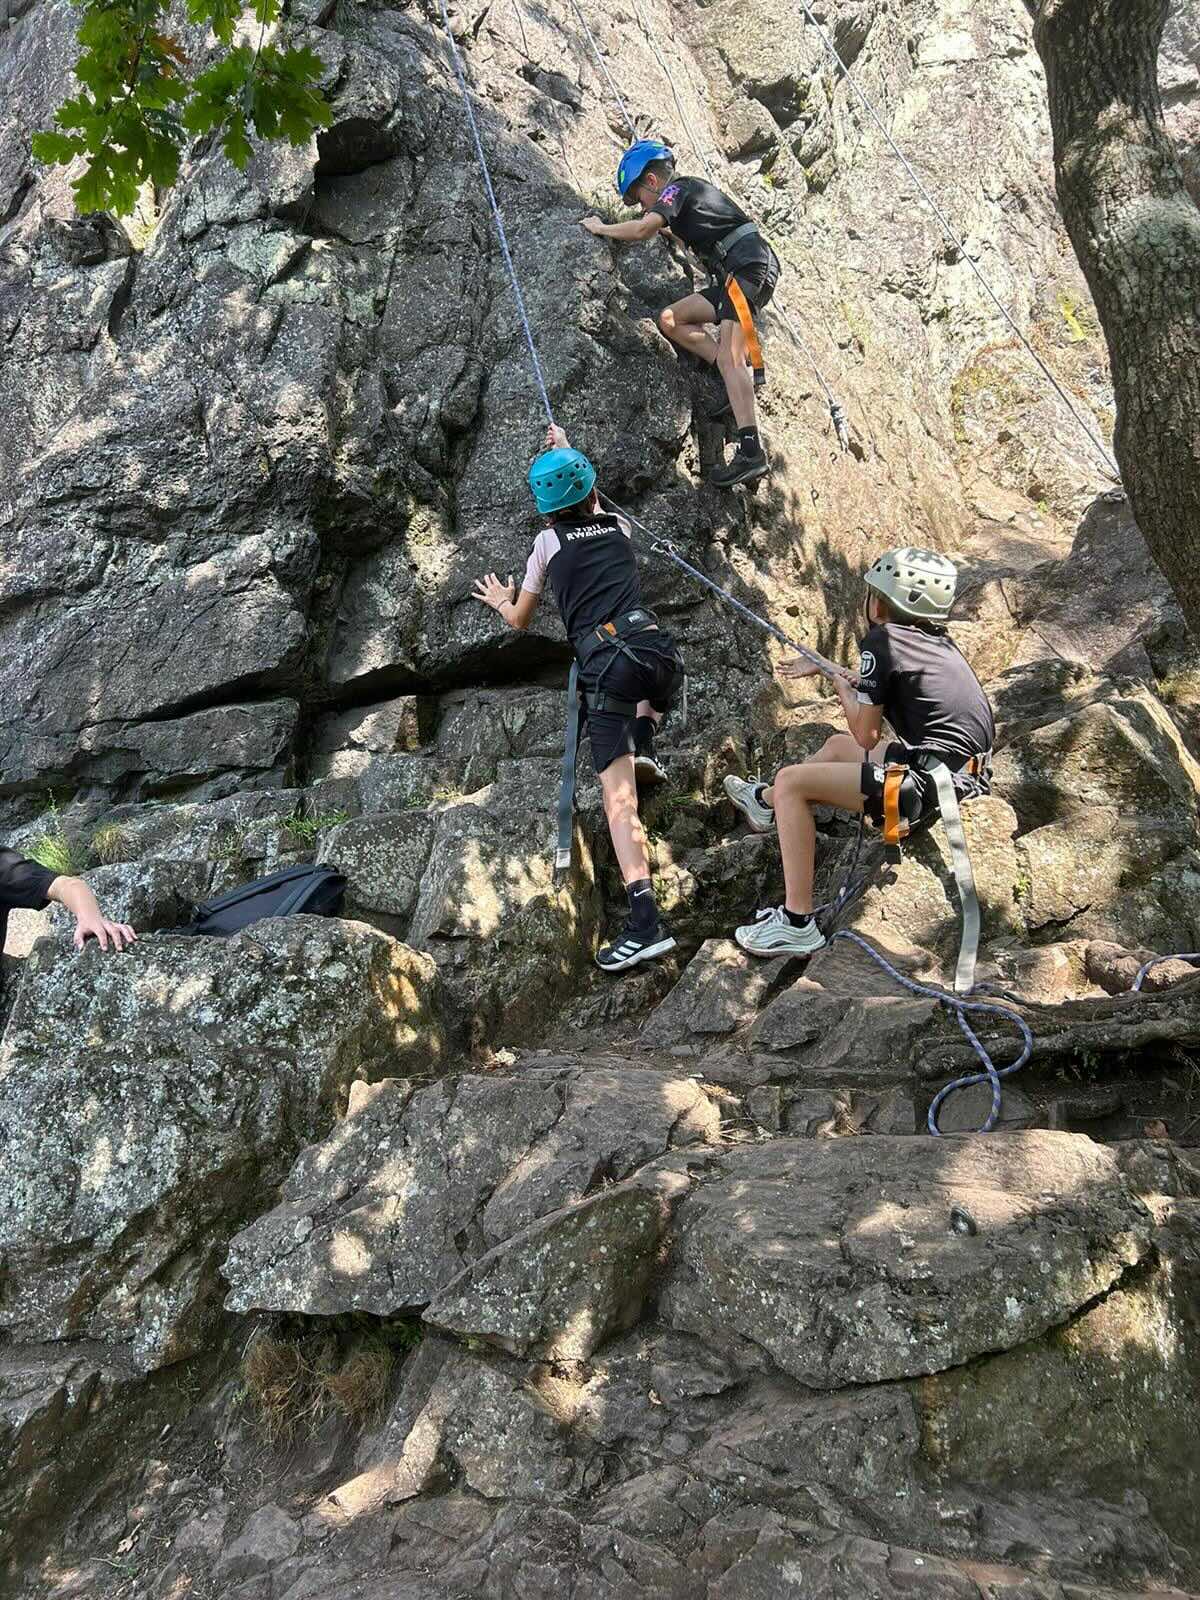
x,y
927,691
23,884
701,216
592,570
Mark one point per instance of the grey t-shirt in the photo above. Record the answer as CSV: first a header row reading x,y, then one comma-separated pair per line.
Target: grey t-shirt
x,y
927,691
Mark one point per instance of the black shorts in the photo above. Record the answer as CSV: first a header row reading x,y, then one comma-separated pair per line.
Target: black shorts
x,y
918,792
657,677
757,278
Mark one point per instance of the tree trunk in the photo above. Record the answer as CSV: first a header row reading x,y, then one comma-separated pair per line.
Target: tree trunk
x,y
1136,232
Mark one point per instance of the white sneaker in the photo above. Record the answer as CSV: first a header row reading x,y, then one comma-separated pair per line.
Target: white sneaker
x,y
760,817
771,934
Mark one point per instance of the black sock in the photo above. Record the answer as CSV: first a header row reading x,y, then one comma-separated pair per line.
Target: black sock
x,y
643,908
760,794
748,441
799,919
643,735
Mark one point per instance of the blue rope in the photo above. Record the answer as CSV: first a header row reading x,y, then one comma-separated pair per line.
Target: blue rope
x,y
991,1073
1192,955
497,217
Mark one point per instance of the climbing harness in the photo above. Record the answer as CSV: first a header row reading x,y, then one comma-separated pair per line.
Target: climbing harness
x,y
959,244
737,299
611,639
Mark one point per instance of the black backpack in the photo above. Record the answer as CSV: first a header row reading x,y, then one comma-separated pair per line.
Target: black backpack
x,y
317,891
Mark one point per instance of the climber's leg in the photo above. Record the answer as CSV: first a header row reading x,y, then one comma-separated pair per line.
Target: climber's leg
x,y
739,380
685,325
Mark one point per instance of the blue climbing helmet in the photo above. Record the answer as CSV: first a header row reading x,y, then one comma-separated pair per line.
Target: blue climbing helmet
x,y
635,161
561,478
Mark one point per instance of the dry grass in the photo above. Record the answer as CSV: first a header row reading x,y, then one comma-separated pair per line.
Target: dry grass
x,y
359,1387
294,1383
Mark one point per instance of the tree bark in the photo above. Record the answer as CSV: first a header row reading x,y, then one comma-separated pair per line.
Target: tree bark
x,y
1136,232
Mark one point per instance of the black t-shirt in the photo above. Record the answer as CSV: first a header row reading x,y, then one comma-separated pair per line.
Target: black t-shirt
x,y
927,691
701,216
592,570
22,883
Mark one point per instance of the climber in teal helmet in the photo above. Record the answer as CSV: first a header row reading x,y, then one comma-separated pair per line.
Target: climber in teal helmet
x,y
743,270
630,670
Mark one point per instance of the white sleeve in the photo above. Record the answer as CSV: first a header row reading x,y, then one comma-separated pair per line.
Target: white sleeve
x,y
545,547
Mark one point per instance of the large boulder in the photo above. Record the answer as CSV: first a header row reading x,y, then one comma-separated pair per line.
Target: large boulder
x,y
415,1185
151,1101
843,1260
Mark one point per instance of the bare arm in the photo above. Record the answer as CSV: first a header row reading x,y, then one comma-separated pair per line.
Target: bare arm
x,y
865,722
79,900
636,229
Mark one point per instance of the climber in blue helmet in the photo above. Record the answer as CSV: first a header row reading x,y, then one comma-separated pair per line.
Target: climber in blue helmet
x,y
630,669
743,271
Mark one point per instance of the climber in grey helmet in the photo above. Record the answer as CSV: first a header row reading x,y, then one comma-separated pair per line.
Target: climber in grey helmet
x,y
912,675
630,670
743,270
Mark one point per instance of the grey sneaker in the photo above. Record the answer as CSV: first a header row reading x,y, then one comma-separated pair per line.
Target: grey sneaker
x,y
771,934
648,768
760,817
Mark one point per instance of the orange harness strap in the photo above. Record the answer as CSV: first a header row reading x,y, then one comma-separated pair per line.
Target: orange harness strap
x,y
741,305
893,778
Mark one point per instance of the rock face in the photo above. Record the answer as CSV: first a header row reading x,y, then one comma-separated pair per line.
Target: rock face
x,y
150,1102
412,1187
579,1324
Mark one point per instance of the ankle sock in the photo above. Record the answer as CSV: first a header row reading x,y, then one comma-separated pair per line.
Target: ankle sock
x,y
643,908
643,736
748,441
760,794
799,919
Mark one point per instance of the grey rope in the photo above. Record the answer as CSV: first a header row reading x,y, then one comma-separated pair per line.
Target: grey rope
x,y
991,1073
497,216
608,78
1191,955
1101,449
664,547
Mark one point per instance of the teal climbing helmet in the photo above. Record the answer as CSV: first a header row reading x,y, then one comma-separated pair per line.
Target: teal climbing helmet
x,y
561,478
635,161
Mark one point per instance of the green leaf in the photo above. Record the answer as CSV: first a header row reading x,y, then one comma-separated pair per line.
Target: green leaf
x,y
55,149
235,143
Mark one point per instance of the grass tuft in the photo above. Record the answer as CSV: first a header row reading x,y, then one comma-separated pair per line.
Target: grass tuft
x,y
110,844
292,1383
308,827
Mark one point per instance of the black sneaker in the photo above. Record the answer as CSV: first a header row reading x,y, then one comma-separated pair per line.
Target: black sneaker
x,y
741,468
634,945
648,768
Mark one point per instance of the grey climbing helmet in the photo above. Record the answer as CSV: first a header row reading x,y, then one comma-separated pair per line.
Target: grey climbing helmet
x,y
915,583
